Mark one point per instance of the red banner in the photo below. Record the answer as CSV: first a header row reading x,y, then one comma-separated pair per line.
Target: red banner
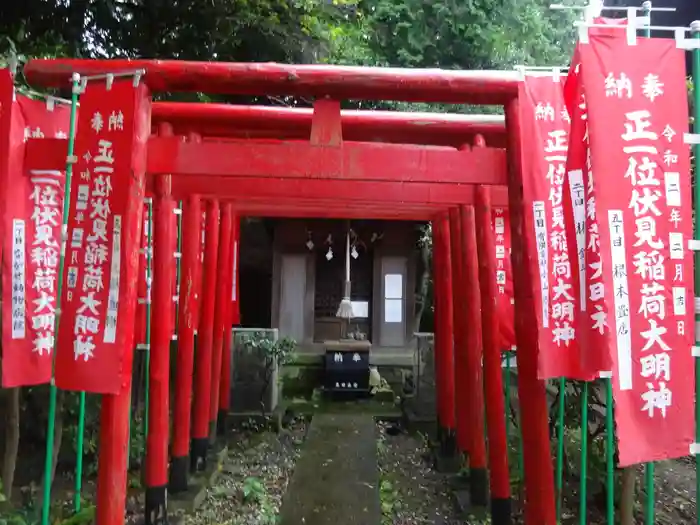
x,y
96,332
33,212
637,103
545,133
505,304
592,327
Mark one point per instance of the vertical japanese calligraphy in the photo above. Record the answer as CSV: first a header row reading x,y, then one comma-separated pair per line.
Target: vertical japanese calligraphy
x,y
582,224
96,330
637,106
33,210
545,124
504,279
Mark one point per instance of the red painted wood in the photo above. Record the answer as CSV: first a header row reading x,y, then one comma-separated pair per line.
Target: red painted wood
x,y
115,415
269,210
460,342
50,154
340,82
472,322
443,319
223,297
187,305
493,374
283,123
236,313
325,123
540,503
438,347
232,315
352,162
161,311
292,190
205,331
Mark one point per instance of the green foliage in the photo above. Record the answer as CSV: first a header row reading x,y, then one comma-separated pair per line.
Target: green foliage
x,y
18,518
407,33
479,34
71,415
390,500
84,517
275,352
253,490
255,493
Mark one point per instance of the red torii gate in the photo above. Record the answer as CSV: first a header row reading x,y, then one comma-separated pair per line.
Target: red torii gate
x,y
286,123
313,208
350,165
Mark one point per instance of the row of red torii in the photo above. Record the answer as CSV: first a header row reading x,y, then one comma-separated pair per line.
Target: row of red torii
x,y
296,163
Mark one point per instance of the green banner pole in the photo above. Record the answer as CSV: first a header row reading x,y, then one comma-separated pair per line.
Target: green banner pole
x,y
507,394
583,503
695,28
77,498
609,452
521,458
649,489
560,445
51,424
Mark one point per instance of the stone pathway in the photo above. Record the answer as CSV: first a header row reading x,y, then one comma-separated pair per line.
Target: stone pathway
x,y
336,481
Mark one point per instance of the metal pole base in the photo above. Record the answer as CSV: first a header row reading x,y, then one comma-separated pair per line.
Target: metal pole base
x,y
479,486
501,513
179,474
198,454
156,505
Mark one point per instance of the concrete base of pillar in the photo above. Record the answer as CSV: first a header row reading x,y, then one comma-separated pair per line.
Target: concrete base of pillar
x,y
156,511
179,474
222,423
501,512
479,486
198,454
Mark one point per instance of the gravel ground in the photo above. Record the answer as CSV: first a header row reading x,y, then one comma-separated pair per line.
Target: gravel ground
x,y
253,479
412,493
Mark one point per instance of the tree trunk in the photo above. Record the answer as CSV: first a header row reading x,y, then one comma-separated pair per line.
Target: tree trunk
x,y
627,494
9,460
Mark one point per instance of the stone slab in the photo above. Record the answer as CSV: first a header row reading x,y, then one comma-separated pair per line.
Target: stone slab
x,y
336,481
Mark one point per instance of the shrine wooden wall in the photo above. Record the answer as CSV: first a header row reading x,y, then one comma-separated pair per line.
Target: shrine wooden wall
x,y
390,246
